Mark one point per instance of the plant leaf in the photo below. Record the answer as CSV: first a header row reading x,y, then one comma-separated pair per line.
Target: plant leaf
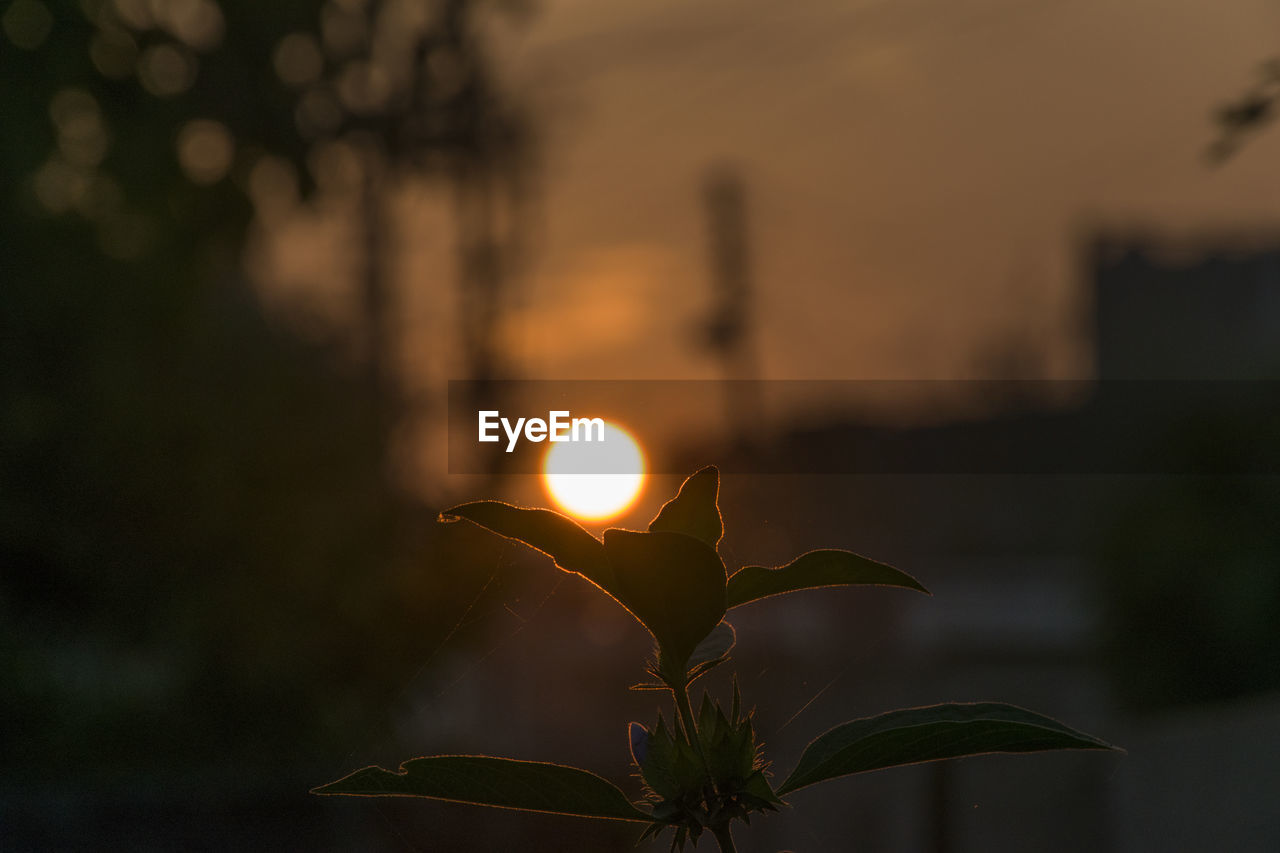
x,y
693,511
913,735
826,567
557,536
696,671
499,782
674,584
758,786
715,646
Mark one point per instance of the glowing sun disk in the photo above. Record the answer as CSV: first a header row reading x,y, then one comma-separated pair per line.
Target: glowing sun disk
x,y
567,477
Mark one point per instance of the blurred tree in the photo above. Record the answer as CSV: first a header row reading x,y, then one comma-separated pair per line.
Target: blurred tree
x,y
202,560
1248,113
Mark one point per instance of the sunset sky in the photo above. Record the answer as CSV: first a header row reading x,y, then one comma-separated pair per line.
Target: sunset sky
x,y
919,171
920,175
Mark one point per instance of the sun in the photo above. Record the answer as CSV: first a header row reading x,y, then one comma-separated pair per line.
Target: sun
x,y
595,480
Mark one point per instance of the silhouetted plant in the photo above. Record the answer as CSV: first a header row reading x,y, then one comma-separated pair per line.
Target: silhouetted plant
x,y
705,769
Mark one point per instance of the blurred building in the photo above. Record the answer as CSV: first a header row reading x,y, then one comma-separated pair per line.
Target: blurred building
x,y
1033,604
1199,309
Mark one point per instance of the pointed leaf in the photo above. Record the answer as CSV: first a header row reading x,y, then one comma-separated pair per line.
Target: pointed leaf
x,y
706,717
693,511
826,567
487,781
638,736
653,830
557,536
674,584
758,786
696,671
913,735
670,766
714,646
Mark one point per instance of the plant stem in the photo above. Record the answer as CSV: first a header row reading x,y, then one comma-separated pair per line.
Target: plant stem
x,y
690,724
685,710
725,837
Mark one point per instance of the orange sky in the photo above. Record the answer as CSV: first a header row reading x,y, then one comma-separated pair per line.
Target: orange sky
x,y
919,172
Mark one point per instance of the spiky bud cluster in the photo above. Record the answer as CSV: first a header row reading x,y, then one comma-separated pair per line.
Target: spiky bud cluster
x,y
695,787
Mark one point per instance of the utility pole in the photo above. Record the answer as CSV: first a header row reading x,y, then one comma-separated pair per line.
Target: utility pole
x,y
728,328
